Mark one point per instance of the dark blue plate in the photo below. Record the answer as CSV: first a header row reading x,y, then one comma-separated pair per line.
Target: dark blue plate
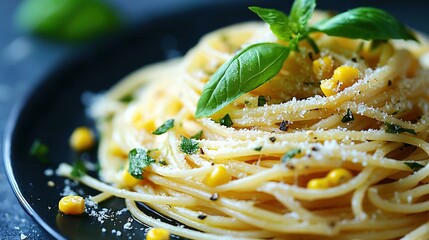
x,y
54,108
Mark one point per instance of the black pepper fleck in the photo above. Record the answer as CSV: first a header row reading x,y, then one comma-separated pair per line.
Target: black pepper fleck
x,y
202,216
284,125
272,139
201,151
214,196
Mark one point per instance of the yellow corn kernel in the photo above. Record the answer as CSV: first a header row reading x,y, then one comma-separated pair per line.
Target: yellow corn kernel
x,y
343,77
323,67
339,176
140,123
128,181
81,139
158,234
318,183
217,177
73,205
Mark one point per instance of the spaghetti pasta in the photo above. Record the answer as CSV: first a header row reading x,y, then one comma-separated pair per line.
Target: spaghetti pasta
x,y
284,134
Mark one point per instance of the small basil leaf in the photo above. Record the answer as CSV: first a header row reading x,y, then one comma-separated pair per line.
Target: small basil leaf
x,y
365,23
138,161
248,70
164,127
278,21
300,14
67,20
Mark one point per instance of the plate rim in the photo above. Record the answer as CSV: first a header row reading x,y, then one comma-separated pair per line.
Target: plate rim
x,y
9,129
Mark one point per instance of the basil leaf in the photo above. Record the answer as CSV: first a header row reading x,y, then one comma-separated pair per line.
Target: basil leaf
x,y
300,14
246,71
67,20
138,161
414,166
278,21
365,23
79,169
164,127
189,146
290,154
393,128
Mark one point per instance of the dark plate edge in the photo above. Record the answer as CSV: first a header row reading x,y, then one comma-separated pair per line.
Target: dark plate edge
x,y
9,128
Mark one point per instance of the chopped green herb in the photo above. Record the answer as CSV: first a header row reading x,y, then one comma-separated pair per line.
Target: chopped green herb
x,y
198,135
290,154
414,166
393,128
164,127
226,121
258,148
138,161
162,162
261,101
284,125
79,169
127,98
348,117
189,146
40,151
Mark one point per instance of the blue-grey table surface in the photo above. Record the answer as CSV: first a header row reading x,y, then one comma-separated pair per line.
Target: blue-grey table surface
x,y
24,61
